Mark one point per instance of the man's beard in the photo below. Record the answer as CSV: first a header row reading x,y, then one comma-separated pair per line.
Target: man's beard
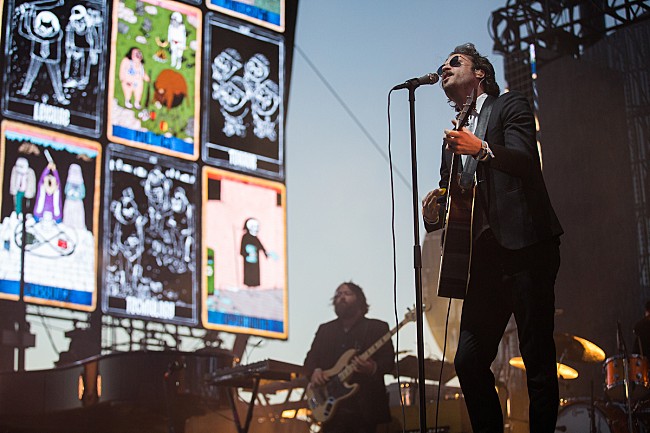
x,y
345,310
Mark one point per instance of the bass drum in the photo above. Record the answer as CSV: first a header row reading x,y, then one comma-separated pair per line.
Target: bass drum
x,y
574,418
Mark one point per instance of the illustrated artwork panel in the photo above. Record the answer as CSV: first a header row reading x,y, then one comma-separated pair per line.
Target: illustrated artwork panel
x,y
55,63
150,237
244,254
244,121
265,13
51,186
154,97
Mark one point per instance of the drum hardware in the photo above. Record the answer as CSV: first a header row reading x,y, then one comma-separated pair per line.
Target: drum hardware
x,y
408,367
638,377
563,371
576,349
626,374
585,416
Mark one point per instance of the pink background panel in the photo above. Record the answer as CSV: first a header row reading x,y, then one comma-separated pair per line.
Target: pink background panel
x,y
224,227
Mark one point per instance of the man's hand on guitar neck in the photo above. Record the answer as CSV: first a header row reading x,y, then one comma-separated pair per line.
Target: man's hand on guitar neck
x,y
368,366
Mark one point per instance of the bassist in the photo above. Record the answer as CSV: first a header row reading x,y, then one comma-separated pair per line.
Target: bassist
x,y
362,411
514,242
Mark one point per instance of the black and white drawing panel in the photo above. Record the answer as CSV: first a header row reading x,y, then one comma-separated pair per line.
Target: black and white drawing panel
x,y
54,63
150,236
243,111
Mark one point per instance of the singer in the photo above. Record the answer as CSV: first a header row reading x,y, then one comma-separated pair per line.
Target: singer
x,y
515,242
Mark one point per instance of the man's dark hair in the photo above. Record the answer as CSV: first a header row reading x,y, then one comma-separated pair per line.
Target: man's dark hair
x,y
647,306
361,297
482,63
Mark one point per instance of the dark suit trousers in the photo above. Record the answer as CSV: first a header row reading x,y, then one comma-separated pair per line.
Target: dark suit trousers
x,y
505,282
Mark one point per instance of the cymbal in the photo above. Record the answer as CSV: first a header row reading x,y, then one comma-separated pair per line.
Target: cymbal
x,y
408,367
572,348
563,370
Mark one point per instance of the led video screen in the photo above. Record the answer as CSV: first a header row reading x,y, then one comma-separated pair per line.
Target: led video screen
x,y
149,236
54,66
142,148
244,254
244,116
50,185
155,71
265,13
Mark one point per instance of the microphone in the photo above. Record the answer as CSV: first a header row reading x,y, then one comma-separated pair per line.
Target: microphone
x,y
414,83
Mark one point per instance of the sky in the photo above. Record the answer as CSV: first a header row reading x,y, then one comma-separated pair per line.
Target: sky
x,y
338,180
339,205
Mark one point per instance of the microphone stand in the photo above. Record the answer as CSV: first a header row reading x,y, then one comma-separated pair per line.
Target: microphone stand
x,y
626,376
22,321
417,263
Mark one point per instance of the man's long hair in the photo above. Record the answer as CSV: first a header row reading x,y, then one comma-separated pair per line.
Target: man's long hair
x,y
482,63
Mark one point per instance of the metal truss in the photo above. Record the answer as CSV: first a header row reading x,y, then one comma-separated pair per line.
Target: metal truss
x,y
564,26
559,28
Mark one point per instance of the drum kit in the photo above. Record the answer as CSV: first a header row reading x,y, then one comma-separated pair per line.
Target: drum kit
x,y
626,407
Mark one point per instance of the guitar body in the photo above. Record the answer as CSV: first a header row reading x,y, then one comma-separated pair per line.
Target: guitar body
x,y
457,239
323,400
455,262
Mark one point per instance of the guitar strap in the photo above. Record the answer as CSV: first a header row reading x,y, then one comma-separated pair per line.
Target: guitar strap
x,y
466,180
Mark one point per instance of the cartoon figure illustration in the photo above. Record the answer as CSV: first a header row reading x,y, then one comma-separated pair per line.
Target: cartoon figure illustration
x,y
132,76
172,247
232,97
224,65
234,92
256,70
48,194
82,46
22,184
170,89
127,243
250,250
264,104
43,29
157,188
177,38
183,216
74,214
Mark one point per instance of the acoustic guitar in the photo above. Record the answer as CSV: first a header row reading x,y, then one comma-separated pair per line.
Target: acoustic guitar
x,y
457,229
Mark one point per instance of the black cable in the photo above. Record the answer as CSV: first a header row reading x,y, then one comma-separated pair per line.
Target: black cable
x,y
442,365
392,224
49,334
349,112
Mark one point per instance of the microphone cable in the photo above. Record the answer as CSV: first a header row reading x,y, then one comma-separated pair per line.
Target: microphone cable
x,y
442,365
394,250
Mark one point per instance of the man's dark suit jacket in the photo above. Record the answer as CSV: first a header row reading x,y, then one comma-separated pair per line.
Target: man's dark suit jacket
x,y
511,188
370,402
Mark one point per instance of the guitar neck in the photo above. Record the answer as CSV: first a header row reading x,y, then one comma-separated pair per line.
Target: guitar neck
x,y
344,374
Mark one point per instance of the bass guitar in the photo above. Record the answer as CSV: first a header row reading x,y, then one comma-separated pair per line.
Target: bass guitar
x,y
457,229
323,399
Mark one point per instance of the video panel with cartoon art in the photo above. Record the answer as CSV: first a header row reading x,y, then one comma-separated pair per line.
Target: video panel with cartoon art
x,y
149,236
245,283
51,187
244,120
265,13
154,76
55,62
